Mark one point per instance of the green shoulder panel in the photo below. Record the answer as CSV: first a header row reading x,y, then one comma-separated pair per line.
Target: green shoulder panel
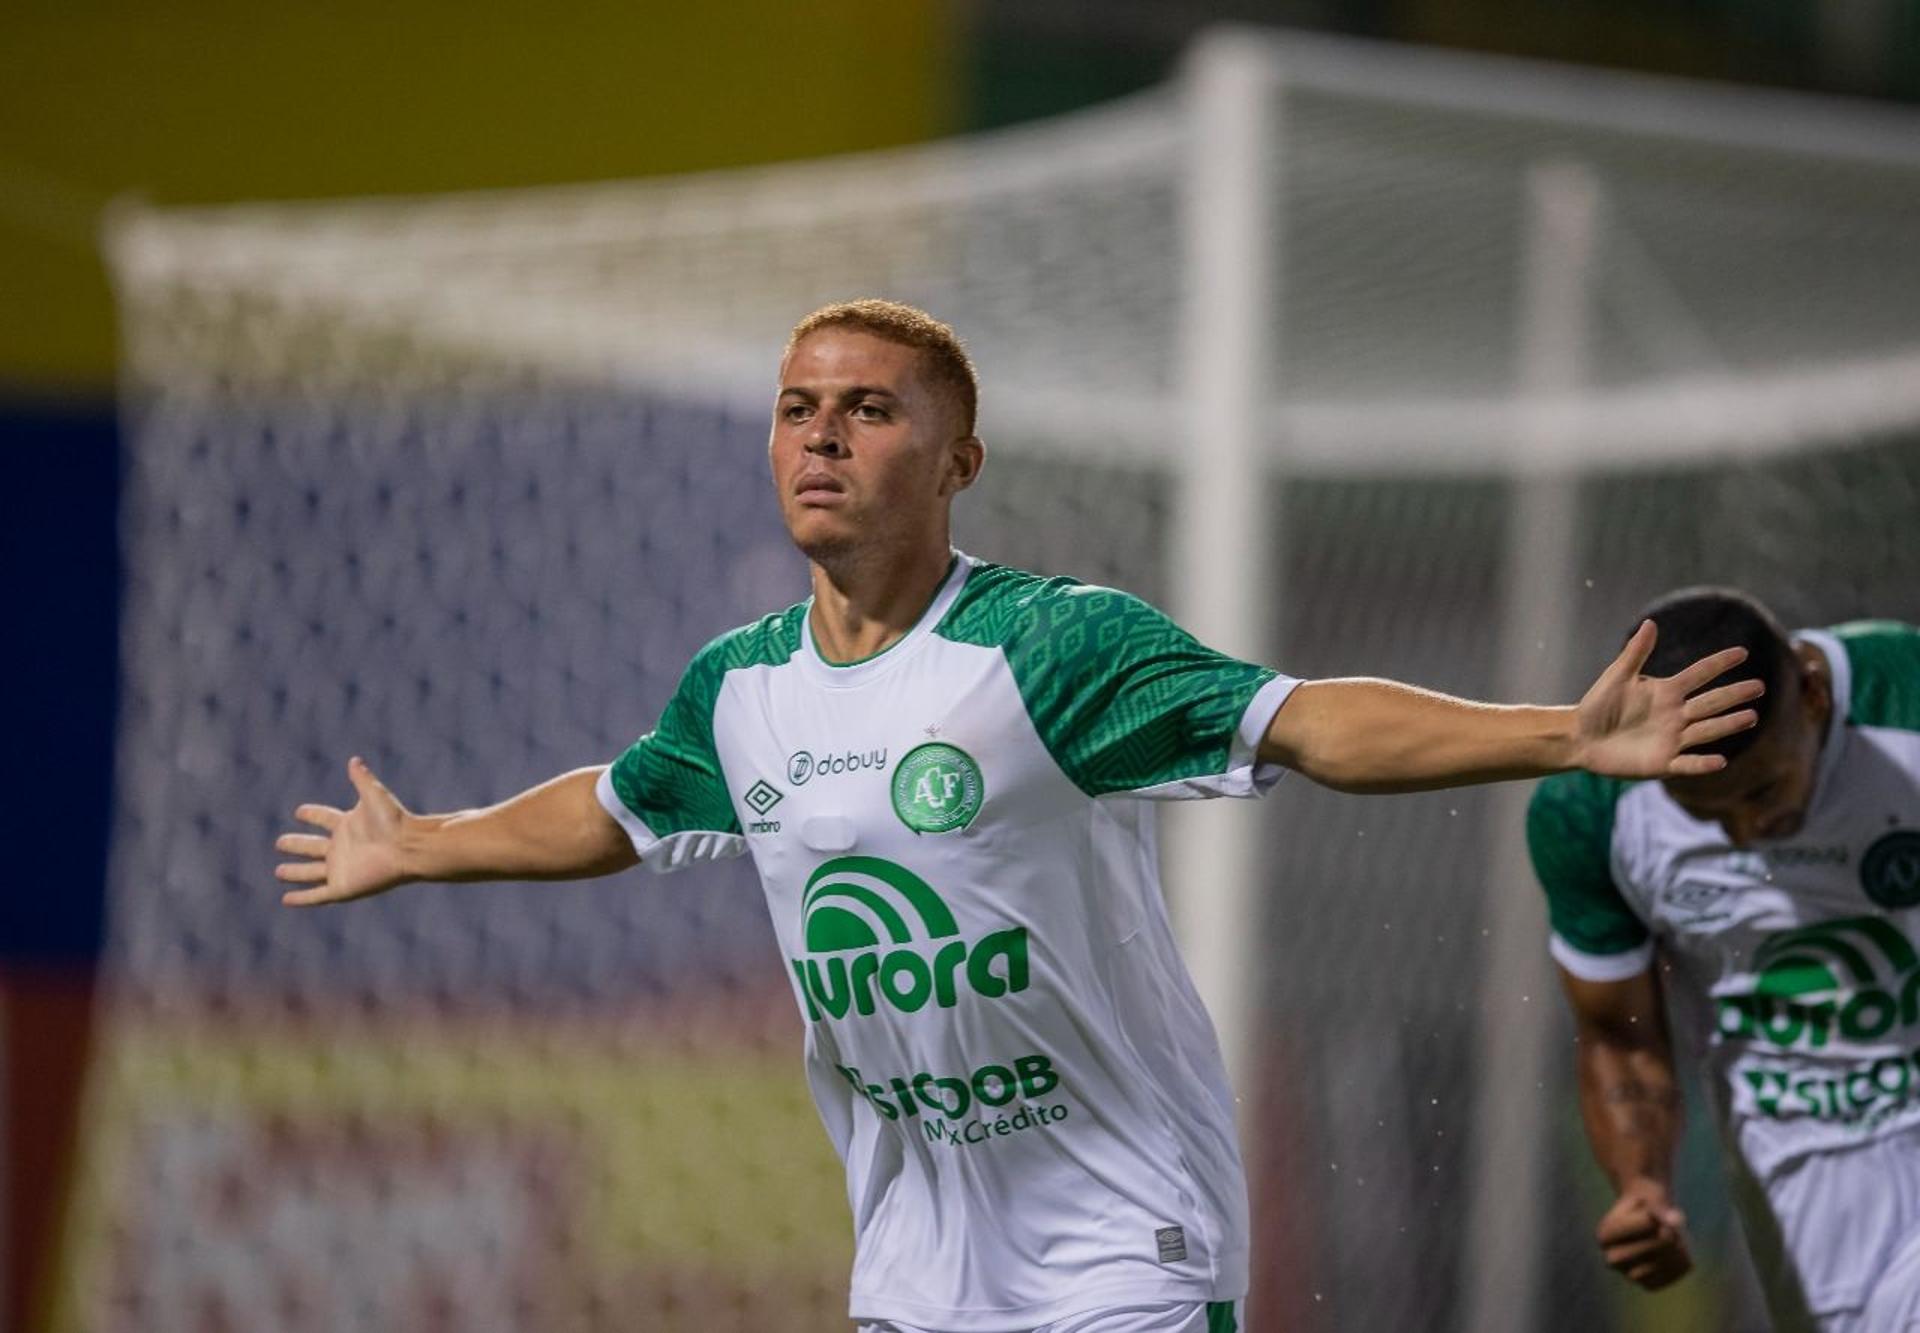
x,y
1123,698
1570,838
671,776
1885,656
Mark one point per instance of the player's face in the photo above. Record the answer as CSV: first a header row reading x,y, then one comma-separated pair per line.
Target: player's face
x,y
866,453
1763,794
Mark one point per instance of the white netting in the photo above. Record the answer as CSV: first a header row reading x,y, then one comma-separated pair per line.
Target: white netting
x,y
461,483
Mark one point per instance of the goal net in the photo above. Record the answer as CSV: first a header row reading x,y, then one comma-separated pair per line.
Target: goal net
x,y
1361,360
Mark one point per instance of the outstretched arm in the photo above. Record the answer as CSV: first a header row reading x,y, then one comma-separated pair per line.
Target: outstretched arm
x,y
1365,735
1630,1101
557,830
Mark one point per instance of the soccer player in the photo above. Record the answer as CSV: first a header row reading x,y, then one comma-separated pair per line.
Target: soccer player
x,y
1775,904
942,769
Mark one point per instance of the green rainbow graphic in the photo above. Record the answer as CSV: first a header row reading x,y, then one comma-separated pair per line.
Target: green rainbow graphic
x,y
1802,962
851,900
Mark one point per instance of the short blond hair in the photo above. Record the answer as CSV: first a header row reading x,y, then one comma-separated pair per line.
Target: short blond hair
x,y
940,348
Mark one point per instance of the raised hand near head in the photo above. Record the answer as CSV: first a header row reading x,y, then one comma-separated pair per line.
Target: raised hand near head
x,y
1635,726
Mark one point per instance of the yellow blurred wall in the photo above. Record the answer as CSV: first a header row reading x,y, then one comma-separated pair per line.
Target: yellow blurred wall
x,y
201,101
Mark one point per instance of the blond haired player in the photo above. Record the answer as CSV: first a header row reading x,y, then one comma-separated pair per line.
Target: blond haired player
x,y
944,771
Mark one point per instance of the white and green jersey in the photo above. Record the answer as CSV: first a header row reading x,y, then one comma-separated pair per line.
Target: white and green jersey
x,y
1795,964
1002,1041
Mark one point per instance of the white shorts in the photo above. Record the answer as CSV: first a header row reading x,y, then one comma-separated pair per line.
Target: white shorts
x,y
1837,1240
1156,1317
1894,1304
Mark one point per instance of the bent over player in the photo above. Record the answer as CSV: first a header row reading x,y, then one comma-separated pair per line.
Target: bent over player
x,y
1776,905
1002,1041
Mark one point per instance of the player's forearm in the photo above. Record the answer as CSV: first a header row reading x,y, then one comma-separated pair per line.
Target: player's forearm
x,y
1363,735
1631,1103
556,830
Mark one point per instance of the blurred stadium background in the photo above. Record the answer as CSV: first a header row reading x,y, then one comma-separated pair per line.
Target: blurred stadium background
x,y
1405,361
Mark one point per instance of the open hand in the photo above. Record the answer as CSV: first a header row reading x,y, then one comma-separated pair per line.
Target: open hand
x,y
1644,1237
357,853
1635,726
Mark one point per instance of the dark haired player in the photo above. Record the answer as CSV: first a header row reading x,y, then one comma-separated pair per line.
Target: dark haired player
x,y
1776,906
944,771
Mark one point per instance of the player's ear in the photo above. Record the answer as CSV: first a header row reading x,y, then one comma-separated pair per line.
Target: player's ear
x,y
965,458
1816,682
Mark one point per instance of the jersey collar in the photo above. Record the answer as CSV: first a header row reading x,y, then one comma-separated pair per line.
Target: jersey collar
x,y
1840,680
845,676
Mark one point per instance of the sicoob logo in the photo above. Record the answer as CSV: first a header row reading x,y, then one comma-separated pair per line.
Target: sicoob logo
x,y
866,923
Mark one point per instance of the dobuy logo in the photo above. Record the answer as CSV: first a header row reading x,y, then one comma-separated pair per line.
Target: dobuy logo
x,y
801,765
866,923
1857,977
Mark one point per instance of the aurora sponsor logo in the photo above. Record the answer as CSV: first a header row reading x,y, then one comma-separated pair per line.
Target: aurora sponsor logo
x,y
950,1102
876,933
1856,979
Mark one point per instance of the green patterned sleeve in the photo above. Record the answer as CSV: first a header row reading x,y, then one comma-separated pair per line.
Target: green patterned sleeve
x,y
667,790
1128,702
1884,657
1596,934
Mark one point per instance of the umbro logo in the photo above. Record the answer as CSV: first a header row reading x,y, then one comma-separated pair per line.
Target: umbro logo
x,y
762,796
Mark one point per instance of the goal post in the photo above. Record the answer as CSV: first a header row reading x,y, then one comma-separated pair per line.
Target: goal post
x,y
1223,528
1508,1170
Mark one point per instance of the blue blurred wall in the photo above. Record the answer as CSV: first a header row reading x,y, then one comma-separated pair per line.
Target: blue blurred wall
x,y
61,591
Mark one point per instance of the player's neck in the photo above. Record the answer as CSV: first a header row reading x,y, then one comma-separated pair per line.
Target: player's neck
x,y
864,603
